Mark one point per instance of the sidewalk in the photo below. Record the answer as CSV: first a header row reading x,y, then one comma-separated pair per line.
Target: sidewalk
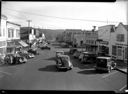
x,y
121,66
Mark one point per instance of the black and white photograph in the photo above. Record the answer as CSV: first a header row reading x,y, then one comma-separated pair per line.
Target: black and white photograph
x,y
64,46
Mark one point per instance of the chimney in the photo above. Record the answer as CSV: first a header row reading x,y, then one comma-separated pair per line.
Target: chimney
x,y
94,28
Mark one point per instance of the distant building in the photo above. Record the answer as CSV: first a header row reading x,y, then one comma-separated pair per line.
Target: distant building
x,y
87,39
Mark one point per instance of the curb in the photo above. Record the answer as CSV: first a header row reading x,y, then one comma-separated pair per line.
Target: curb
x,y
121,70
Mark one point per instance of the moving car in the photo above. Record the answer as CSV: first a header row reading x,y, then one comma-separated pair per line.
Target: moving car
x,y
105,64
63,63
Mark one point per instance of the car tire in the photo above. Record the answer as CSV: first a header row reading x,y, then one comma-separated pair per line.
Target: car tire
x,y
109,69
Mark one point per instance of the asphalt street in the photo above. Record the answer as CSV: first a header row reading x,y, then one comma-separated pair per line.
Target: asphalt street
x,y
40,73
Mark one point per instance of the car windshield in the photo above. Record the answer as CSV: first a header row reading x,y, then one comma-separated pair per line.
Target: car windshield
x,y
102,62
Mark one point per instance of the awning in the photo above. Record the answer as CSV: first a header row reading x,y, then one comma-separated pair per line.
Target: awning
x,y
23,43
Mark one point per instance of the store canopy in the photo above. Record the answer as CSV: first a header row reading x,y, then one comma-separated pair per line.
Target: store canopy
x,y
23,43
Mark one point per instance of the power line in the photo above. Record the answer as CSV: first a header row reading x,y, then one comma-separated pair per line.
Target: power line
x,y
65,18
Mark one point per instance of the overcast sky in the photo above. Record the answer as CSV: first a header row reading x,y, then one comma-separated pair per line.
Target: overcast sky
x,y
66,15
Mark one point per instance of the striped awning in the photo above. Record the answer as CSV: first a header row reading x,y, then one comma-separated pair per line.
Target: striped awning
x,y
23,43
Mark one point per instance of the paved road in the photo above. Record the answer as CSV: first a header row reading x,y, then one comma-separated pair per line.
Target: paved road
x,y
40,73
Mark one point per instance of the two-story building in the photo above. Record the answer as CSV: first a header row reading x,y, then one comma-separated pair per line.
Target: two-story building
x,y
13,37
104,39
87,39
119,39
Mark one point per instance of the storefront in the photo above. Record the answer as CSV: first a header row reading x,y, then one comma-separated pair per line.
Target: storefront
x,y
120,51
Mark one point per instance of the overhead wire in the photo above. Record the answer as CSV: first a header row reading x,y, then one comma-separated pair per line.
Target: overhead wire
x,y
64,18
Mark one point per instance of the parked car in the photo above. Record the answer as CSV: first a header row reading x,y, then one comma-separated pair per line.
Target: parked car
x,y
64,45
81,55
59,53
72,50
76,54
105,64
20,57
33,51
9,58
63,63
45,47
89,58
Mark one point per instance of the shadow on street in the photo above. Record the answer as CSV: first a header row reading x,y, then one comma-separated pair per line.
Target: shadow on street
x,y
89,72
49,68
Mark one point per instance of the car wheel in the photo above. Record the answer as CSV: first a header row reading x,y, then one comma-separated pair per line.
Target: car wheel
x,y
109,69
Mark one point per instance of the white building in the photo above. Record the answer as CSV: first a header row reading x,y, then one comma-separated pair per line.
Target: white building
x,y
3,35
104,39
13,31
119,41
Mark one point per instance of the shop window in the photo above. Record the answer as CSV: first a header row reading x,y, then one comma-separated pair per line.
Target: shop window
x,y
17,32
114,50
119,51
9,50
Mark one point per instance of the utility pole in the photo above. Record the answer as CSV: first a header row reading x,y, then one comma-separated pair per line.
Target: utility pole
x,y
29,30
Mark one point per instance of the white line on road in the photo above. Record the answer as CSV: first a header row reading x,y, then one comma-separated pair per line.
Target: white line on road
x,y
123,87
109,74
6,72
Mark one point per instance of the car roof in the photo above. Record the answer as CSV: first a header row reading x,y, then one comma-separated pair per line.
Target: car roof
x,y
102,57
59,51
63,56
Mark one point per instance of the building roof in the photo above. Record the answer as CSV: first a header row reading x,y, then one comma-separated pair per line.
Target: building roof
x,y
13,23
126,27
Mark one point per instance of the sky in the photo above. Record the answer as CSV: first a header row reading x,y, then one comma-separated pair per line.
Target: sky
x,y
66,15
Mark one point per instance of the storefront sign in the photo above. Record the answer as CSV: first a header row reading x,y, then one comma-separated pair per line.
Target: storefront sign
x,y
104,42
121,44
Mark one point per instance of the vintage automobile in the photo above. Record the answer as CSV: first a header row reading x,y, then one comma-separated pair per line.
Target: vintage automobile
x,y
20,57
89,58
72,50
9,58
59,53
82,54
105,64
45,47
77,54
63,63
33,51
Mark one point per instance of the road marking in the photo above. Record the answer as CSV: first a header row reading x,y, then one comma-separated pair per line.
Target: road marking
x,y
109,74
5,72
123,87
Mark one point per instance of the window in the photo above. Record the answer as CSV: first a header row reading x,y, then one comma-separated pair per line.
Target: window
x,y
17,32
10,32
114,50
120,37
126,53
119,51
3,31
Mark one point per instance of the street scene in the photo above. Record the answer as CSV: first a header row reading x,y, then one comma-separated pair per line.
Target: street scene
x,y
68,56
